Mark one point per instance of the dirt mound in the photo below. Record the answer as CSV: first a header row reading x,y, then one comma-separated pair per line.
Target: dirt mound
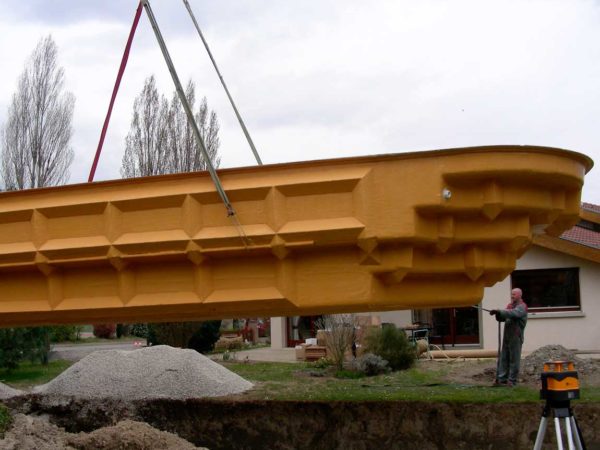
x,y
153,372
533,365
36,433
129,434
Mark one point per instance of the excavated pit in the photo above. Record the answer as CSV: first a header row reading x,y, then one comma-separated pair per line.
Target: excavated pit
x,y
227,424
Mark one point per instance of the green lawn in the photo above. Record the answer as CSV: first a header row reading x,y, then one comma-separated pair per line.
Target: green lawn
x,y
284,381
290,381
28,375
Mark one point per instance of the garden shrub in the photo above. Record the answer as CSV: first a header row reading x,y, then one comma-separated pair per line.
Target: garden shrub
x,y
321,363
200,336
17,344
62,333
139,330
229,342
105,330
371,364
123,329
391,344
203,340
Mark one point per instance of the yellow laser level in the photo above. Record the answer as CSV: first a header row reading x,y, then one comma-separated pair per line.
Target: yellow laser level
x,y
560,385
559,381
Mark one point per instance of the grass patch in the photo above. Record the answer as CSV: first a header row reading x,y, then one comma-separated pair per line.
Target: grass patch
x,y
302,381
589,394
5,419
266,371
28,375
286,381
349,374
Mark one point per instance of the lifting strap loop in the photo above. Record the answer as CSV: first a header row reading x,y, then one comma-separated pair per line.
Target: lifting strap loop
x,y
124,59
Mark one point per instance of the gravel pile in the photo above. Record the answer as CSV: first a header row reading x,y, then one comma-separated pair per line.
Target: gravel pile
x,y
8,392
153,372
533,365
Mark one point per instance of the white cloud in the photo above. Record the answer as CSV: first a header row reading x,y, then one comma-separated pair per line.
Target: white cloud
x,y
330,78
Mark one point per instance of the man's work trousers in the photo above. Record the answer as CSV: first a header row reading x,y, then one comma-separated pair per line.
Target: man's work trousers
x,y
510,361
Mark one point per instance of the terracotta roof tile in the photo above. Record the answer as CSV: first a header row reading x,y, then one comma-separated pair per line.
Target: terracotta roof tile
x,y
591,207
582,236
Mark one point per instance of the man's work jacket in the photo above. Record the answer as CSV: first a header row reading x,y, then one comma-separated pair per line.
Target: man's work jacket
x,y
515,317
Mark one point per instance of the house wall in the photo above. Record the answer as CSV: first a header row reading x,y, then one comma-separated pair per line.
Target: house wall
x,y
278,332
398,318
574,330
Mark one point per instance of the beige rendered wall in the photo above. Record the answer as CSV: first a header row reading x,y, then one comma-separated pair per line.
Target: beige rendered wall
x,y
577,330
398,318
278,332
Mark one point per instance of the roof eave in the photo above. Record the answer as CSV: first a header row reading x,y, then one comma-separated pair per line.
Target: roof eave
x,y
567,247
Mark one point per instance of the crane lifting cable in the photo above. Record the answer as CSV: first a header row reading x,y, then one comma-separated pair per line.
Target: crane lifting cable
x,y
237,113
190,115
187,108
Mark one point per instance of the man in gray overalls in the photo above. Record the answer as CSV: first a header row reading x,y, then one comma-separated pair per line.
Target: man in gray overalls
x,y
515,319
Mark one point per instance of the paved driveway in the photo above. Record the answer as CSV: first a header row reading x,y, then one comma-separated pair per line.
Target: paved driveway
x,y
74,352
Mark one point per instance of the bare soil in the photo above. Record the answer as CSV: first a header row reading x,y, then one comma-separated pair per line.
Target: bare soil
x,y
37,433
483,372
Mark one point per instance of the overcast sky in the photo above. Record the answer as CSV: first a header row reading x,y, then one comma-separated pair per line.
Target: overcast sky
x,y
320,79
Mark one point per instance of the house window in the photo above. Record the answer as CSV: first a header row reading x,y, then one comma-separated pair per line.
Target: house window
x,y
549,290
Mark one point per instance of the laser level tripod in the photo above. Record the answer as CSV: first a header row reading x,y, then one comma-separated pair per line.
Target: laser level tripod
x,y
560,385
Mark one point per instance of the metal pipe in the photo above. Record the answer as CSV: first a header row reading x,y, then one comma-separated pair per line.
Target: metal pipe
x,y
239,117
187,109
480,307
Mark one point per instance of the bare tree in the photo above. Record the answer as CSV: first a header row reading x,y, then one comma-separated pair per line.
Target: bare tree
x,y
36,137
340,335
146,142
160,141
184,152
160,138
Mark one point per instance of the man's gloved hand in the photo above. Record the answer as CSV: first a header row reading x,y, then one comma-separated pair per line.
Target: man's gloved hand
x,y
495,312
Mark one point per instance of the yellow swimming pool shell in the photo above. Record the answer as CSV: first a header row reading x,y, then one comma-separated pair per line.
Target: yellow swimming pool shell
x,y
374,233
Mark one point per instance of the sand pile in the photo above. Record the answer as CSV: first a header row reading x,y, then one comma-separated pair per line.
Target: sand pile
x,y
8,392
29,433
153,372
129,434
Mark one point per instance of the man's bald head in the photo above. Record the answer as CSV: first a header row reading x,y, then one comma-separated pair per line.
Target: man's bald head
x,y
516,294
